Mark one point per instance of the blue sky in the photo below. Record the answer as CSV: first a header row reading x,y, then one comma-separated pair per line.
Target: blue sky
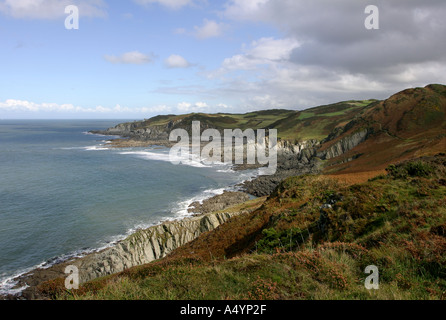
x,y
139,58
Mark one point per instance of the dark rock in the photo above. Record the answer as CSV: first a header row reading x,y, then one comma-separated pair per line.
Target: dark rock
x,y
218,202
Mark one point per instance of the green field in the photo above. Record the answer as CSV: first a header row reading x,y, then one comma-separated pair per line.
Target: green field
x,y
314,123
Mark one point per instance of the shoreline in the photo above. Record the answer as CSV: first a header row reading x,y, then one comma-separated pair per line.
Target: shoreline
x,y
26,283
257,186
16,286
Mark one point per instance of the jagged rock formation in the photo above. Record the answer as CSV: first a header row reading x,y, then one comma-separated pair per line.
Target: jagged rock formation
x,y
344,145
147,131
219,202
135,131
147,245
301,149
293,159
139,248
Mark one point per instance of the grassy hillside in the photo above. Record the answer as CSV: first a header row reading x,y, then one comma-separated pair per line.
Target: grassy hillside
x,y
254,120
409,124
315,235
311,239
314,123
317,123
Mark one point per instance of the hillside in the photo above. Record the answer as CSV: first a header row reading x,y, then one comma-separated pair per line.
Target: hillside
x,y
315,123
311,239
358,183
349,137
409,124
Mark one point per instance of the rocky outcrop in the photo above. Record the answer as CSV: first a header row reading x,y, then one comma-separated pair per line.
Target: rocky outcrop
x,y
305,158
264,185
287,148
219,202
147,245
344,145
139,248
146,131
136,130
293,159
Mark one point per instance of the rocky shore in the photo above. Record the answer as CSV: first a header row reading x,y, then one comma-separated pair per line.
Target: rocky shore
x,y
139,248
156,242
219,202
132,143
288,166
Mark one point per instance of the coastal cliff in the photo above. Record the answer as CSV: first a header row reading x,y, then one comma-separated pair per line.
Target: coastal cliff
x,y
140,248
147,245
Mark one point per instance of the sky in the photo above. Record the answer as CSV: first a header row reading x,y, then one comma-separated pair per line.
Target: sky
x,y
134,59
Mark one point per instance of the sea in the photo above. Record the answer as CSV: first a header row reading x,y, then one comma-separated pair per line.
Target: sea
x,y
65,193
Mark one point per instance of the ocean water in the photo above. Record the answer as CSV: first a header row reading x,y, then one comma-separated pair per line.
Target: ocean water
x,y
63,193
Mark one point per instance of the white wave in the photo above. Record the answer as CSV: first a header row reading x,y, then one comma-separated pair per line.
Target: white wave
x,y
100,135
183,206
8,286
96,148
167,157
99,147
228,170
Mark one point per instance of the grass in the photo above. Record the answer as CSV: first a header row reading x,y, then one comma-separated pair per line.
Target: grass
x,y
314,123
254,120
317,123
295,246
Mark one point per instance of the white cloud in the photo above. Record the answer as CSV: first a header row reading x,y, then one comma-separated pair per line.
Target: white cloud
x,y
273,49
201,105
160,109
327,55
268,52
134,57
13,105
186,107
171,4
245,9
176,61
23,105
333,35
209,29
50,9
223,106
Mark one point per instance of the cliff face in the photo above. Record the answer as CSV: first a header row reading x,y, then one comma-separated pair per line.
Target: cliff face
x,y
136,131
140,248
147,131
147,245
407,125
287,148
344,145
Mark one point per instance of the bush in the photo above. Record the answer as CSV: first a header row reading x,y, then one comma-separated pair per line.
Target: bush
x,y
410,169
286,240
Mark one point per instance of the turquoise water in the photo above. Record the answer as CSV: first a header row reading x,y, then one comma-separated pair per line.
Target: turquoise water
x,y
64,193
